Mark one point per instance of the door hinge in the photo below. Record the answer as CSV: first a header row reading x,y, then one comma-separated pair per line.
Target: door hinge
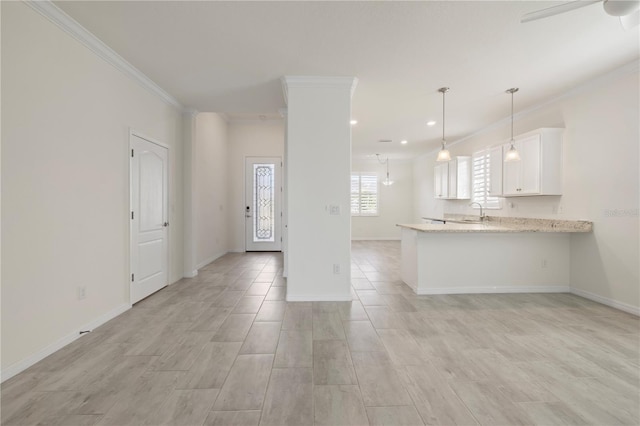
x,y
280,214
280,239
132,277
132,215
132,153
281,164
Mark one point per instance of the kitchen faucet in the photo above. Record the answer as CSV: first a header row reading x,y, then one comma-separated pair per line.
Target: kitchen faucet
x,y
479,205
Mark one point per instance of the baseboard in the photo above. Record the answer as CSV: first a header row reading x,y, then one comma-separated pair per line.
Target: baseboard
x,y
20,366
375,239
494,290
606,301
319,298
209,260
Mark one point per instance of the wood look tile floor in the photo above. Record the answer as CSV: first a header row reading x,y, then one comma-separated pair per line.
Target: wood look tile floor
x,y
225,348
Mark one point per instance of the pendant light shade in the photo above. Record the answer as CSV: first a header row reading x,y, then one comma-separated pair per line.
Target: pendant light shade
x,y
512,154
443,154
387,181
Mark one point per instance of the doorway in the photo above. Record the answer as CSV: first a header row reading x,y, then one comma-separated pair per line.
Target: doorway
x,y
149,216
263,201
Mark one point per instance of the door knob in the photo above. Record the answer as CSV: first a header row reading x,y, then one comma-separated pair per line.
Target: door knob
x,y
165,224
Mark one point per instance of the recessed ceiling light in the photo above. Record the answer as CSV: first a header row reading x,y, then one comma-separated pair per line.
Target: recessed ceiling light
x,y
354,122
431,123
404,142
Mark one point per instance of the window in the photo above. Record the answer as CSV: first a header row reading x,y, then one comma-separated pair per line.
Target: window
x,y
264,202
364,194
481,181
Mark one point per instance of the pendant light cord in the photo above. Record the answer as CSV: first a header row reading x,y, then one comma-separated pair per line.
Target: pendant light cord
x,y
512,91
443,115
443,90
511,116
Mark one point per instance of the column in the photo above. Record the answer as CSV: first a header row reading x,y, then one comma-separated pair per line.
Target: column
x,y
318,152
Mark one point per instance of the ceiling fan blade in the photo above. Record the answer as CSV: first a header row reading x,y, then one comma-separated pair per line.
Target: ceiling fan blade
x,y
556,10
630,21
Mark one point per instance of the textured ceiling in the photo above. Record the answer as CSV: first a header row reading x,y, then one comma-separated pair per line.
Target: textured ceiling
x,y
229,56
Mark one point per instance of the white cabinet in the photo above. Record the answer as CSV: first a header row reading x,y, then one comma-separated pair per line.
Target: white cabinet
x,y
523,177
539,171
495,171
460,178
452,180
441,180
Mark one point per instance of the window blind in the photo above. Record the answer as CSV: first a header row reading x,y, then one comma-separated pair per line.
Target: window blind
x,y
364,194
481,180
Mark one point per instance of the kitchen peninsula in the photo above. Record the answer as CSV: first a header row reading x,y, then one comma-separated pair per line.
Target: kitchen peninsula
x,y
494,255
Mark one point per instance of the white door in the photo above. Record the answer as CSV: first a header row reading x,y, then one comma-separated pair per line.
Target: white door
x,y
263,195
149,220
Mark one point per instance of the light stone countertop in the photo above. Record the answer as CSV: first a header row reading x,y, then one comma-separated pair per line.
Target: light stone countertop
x,y
504,225
457,227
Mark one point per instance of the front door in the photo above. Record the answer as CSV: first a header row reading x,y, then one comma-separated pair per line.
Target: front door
x,y
263,195
149,220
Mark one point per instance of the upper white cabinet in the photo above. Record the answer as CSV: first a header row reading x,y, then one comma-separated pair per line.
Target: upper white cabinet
x,y
539,171
452,180
495,171
460,178
441,180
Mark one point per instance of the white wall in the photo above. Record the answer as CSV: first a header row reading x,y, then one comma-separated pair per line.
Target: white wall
x,y
396,201
248,139
210,180
601,163
66,116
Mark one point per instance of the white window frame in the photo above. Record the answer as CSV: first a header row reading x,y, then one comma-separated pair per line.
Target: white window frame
x,y
370,175
480,181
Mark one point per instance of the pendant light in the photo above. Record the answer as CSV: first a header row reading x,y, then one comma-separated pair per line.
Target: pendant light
x,y
443,154
387,181
512,154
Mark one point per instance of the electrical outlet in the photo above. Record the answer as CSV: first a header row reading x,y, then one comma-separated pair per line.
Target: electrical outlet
x,y
336,268
81,292
334,209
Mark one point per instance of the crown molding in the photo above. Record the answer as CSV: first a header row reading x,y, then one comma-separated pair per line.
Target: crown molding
x,y
65,22
321,82
273,120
